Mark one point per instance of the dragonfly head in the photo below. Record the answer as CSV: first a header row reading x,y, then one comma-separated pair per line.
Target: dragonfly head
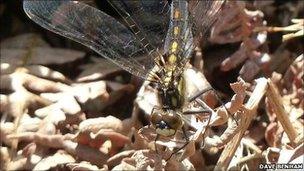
x,y
166,123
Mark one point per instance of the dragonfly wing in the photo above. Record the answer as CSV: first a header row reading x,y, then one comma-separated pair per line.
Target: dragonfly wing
x,y
204,14
150,16
94,29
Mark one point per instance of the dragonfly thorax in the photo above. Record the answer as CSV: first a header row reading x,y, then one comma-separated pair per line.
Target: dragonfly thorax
x,y
170,88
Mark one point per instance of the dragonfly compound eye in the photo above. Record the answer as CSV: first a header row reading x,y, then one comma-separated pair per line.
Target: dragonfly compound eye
x,y
173,120
166,124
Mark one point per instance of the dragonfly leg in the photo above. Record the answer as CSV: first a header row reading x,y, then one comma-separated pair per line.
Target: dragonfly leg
x,y
155,145
157,135
195,96
187,141
193,112
203,110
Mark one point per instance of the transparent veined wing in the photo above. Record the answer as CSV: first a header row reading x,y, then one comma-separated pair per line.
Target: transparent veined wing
x,y
150,16
204,14
155,18
96,30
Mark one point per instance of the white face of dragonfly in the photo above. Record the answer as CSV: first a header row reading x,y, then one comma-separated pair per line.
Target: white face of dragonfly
x,y
165,132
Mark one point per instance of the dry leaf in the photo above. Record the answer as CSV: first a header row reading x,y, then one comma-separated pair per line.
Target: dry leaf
x,y
40,55
4,157
52,161
82,166
124,166
100,69
117,158
96,124
24,41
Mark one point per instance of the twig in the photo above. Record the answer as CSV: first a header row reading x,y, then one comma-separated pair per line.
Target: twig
x,y
297,29
249,113
275,100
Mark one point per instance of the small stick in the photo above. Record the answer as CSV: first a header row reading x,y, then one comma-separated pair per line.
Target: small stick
x,y
275,100
249,113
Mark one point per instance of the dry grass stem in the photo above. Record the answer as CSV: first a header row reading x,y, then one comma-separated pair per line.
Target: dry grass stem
x,y
297,28
249,111
276,100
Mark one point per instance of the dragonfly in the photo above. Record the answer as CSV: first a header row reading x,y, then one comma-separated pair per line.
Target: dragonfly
x,y
153,40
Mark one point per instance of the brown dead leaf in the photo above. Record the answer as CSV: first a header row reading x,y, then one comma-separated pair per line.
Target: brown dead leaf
x,y
85,92
237,24
21,78
233,127
82,166
100,138
6,129
117,158
139,141
53,141
123,166
28,123
37,70
65,111
24,41
47,73
4,157
40,55
148,133
183,165
249,70
198,160
82,152
7,68
221,115
94,125
117,91
273,134
195,81
29,149
21,100
100,69
146,159
87,153
118,140
96,96
189,150
19,164
248,113
60,157
95,132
